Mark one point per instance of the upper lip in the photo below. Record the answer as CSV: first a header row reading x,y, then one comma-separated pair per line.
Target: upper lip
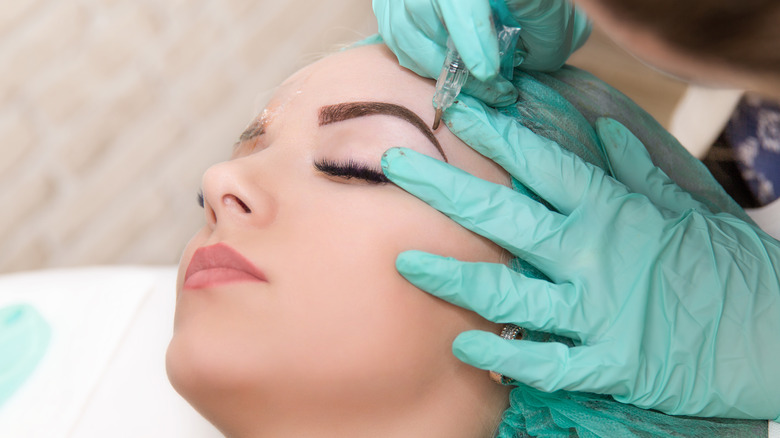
x,y
221,255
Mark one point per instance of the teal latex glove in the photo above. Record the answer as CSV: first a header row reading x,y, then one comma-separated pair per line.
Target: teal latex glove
x,y
671,307
416,31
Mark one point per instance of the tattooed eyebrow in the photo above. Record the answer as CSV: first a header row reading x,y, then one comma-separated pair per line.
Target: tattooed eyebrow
x,y
350,110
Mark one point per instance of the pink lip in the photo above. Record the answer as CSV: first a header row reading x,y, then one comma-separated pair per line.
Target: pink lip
x,y
217,265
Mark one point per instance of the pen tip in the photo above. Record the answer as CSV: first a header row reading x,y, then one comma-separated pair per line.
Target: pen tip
x,y
437,119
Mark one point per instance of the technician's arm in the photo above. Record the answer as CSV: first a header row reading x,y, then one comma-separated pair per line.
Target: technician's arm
x,y
672,307
416,31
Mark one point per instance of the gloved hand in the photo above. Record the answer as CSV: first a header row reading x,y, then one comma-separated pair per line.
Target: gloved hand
x,y
416,31
671,306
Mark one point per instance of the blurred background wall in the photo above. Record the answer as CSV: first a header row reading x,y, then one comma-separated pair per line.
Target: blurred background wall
x,y
110,111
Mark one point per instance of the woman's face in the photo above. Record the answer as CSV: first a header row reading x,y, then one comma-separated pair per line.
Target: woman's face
x,y
331,324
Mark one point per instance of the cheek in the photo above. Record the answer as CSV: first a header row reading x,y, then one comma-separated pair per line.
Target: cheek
x,y
360,331
346,286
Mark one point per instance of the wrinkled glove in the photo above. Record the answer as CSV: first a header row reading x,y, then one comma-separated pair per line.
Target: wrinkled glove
x,y
416,31
670,306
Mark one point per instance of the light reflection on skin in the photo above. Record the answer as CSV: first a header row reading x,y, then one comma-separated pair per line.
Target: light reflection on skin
x,y
336,329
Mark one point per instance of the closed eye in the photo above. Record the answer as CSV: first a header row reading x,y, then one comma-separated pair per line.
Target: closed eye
x,y
351,169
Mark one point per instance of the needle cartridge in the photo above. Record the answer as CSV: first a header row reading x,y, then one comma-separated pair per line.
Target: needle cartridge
x,y
451,79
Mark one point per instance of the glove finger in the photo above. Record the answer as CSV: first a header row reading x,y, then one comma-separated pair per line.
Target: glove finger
x,y
580,29
414,33
425,15
632,165
557,175
547,366
551,31
495,92
422,56
490,210
470,25
494,291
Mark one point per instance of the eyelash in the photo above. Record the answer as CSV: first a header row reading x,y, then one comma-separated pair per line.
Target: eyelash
x,y
341,169
351,169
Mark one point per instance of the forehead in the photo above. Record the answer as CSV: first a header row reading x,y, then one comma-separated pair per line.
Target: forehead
x,y
368,73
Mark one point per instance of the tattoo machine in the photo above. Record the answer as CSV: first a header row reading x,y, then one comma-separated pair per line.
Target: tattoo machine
x,y
454,73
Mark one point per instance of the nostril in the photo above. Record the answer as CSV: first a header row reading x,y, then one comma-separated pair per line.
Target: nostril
x,y
230,199
244,206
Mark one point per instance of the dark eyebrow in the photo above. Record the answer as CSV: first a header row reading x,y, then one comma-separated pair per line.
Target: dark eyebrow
x,y
350,110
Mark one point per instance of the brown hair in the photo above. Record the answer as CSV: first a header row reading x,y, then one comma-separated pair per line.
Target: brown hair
x,y
741,33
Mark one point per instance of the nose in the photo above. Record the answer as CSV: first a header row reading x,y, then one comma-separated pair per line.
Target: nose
x,y
232,194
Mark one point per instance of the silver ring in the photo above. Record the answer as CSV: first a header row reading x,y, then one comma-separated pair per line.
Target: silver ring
x,y
508,332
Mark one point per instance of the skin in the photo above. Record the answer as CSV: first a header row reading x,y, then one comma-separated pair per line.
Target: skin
x,y
336,343
689,67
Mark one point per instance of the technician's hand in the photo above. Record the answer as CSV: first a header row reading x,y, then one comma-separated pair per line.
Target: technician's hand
x,y
416,31
672,307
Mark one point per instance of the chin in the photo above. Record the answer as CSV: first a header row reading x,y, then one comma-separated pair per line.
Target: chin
x,y
204,381
197,372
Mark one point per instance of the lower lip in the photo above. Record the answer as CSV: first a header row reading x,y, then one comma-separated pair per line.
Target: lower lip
x,y
217,277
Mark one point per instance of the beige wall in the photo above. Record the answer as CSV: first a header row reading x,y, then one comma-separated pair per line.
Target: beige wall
x,y
110,110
